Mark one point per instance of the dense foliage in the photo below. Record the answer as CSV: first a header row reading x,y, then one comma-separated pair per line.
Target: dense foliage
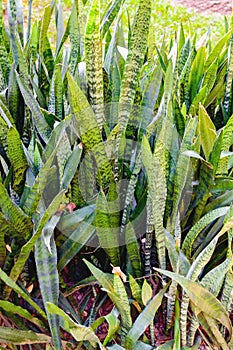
x,y
116,181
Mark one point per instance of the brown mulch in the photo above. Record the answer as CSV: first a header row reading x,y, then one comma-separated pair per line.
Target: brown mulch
x,y
223,7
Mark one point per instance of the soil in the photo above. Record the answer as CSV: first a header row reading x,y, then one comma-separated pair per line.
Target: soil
x,y
223,7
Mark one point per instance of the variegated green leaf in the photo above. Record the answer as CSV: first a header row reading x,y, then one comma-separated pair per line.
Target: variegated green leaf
x,y
11,284
18,159
86,124
46,264
208,134
79,332
199,226
143,320
137,50
201,298
19,337
108,235
93,57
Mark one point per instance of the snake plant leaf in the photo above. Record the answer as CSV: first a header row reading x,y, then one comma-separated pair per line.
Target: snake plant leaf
x,y
104,279
107,235
9,282
147,292
199,226
79,237
184,54
201,298
196,72
60,26
28,247
154,165
15,102
79,332
175,256
14,214
19,337
20,311
113,326
109,16
55,104
182,168
85,120
201,260
214,279
6,115
210,75
71,166
225,146
208,134
12,19
93,57
227,292
151,92
6,227
70,222
75,39
212,329
137,50
227,103
216,93
133,250
144,320
36,191
22,63
121,301
46,265
199,98
135,289
44,28
18,160
216,51
38,118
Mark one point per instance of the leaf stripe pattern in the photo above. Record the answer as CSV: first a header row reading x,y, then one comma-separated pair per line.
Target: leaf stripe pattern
x,y
227,103
93,57
137,50
199,226
85,122
46,264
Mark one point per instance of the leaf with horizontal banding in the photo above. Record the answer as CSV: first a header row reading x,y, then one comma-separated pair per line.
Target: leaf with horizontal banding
x,y
137,50
199,226
46,265
227,103
182,168
86,123
154,165
202,298
14,214
225,146
28,247
108,235
93,58
18,160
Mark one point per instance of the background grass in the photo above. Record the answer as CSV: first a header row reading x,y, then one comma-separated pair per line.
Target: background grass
x,y
166,18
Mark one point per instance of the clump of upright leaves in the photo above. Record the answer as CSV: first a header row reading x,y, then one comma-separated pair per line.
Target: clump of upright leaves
x,y
120,149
